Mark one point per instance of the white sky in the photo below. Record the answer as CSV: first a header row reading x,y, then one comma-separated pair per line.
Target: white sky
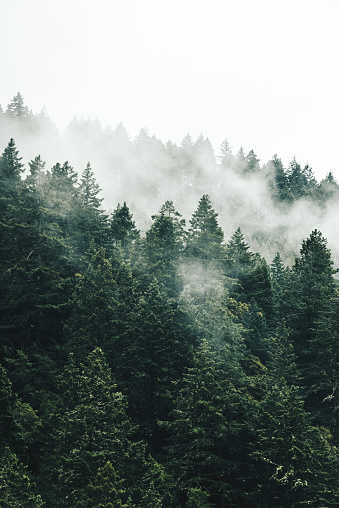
x,y
261,73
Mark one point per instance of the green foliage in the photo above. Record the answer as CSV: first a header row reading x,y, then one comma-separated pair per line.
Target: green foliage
x,y
197,498
11,169
6,401
327,190
293,462
207,426
106,491
278,181
310,288
252,162
101,305
88,219
34,264
239,259
205,235
10,165
17,490
322,369
258,286
33,306
282,359
154,352
123,228
279,277
225,367
164,243
89,428
19,423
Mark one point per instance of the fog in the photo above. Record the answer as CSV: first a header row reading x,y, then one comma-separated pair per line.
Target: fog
x,y
146,171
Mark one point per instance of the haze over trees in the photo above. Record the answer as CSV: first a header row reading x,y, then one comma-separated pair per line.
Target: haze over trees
x,y
185,358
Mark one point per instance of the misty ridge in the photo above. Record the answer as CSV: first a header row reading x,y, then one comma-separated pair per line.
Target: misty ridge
x,y
276,207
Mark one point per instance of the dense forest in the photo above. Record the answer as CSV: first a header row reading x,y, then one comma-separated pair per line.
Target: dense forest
x,y
156,353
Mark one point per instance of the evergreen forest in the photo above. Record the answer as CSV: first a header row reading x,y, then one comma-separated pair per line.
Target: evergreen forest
x,y
170,339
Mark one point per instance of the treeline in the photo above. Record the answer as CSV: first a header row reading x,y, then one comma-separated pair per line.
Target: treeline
x,y
147,166
174,368
276,205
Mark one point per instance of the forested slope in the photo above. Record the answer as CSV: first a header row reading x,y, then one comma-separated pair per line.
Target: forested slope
x,y
162,360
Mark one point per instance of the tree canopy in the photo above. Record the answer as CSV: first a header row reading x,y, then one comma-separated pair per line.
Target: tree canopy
x,y
164,361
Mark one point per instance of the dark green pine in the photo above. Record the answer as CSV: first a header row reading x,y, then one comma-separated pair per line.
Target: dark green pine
x,y
123,230
163,245
205,236
88,221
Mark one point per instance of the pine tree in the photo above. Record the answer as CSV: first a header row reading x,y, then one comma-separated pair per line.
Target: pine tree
x,y
19,423
16,486
208,427
240,261
106,491
89,189
16,107
301,181
88,219
311,287
294,463
186,162
204,163
282,361
164,244
101,304
252,163
88,428
11,170
278,181
226,158
36,268
63,194
326,190
155,349
322,369
259,287
37,176
205,236
123,229
240,162
279,277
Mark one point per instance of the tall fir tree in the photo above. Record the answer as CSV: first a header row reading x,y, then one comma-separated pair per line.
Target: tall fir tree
x,y
16,108
239,260
311,287
279,277
205,236
11,169
164,243
89,223
123,230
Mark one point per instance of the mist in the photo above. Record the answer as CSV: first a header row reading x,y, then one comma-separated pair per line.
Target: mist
x,y
146,171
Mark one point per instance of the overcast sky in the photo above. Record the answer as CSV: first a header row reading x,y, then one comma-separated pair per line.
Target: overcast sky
x,y
261,73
